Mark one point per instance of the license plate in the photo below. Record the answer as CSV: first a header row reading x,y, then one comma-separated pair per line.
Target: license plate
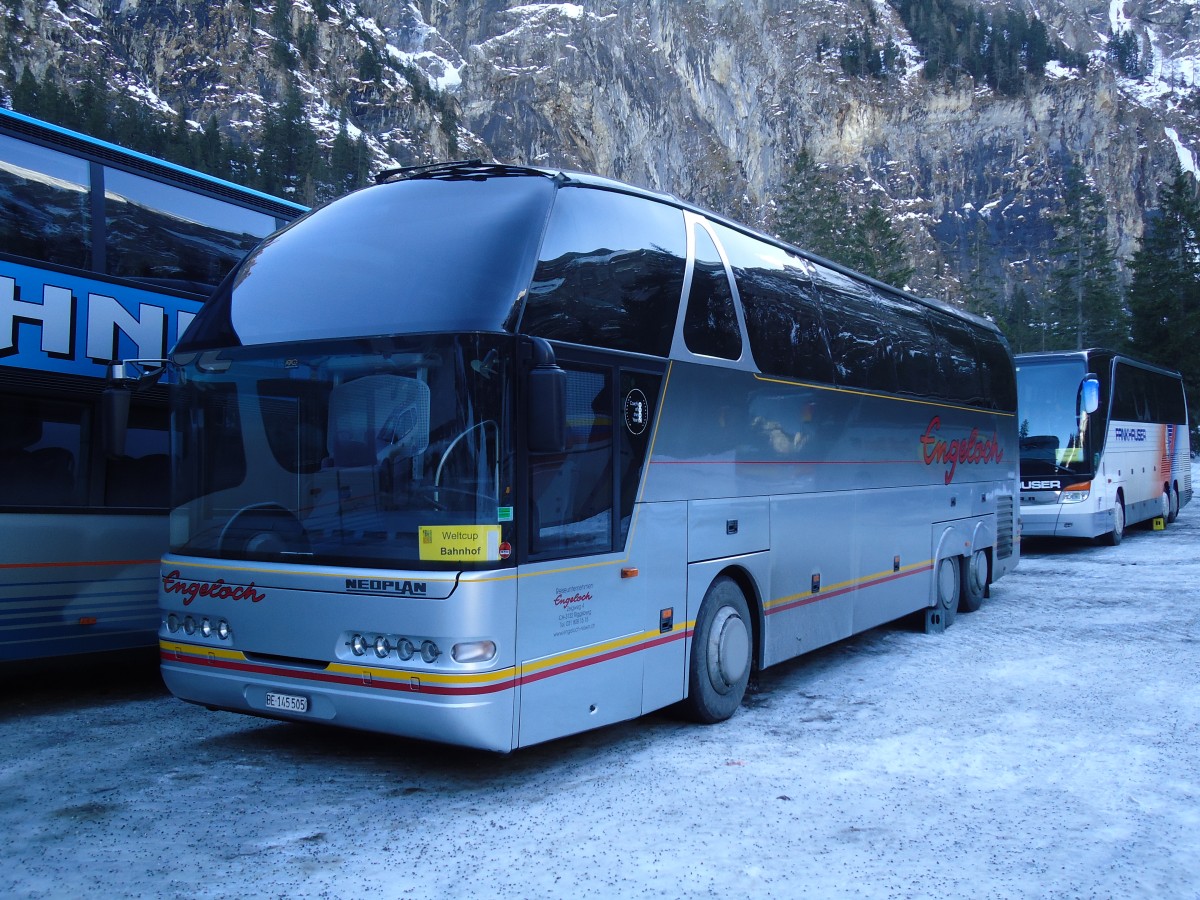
x,y
287,702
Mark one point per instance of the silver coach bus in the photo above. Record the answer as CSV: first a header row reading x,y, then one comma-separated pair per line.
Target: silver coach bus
x,y
489,455
1104,444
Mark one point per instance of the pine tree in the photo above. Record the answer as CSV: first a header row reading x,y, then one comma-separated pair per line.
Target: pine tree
x,y
877,248
1086,296
1164,293
811,213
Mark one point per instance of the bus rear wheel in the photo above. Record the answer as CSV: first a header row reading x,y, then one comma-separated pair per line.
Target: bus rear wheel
x,y
1173,513
721,653
974,581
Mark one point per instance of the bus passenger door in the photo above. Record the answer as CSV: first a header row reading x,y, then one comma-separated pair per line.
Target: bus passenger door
x,y
585,627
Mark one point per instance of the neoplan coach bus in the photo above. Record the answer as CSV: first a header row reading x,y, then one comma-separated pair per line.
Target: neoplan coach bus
x,y
1104,444
488,455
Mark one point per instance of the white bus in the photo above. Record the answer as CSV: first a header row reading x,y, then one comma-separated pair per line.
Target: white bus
x,y
104,253
489,455
1104,444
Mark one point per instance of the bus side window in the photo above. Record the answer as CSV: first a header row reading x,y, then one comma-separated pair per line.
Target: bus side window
x,y
710,326
40,453
957,362
572,492
783,316
141,478
860,340
44,205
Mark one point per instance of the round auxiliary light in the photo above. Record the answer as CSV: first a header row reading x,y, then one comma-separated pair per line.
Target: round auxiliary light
x,y
223,630
405,649
206,628
172,623
189,625
430,651
358,645
382,647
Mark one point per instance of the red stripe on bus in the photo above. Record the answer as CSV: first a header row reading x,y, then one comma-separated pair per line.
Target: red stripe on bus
x,y
825,595
75,565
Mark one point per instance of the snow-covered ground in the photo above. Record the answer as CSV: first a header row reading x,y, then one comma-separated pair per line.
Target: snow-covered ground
x,y
1047,746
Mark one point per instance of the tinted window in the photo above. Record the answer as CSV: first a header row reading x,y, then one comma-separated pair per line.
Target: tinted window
x,y
172,237
957,362
572,492
996,372
1145,396
710,327
909,342
1172,407
141,477
44,207
610,272
211,458
42,459
783,318
410,256
859,331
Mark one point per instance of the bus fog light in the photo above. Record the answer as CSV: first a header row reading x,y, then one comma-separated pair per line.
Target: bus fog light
x,y
473,651
223,631
382,647
405,649
189,625
430,651
206,628
172,623
358,645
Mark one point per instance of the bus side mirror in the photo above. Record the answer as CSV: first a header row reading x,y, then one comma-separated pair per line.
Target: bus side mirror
x,y
114,411
547,401
124,378
1089,394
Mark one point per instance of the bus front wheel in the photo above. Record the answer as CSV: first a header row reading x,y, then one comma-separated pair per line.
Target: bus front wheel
x,y
721,652
1118,531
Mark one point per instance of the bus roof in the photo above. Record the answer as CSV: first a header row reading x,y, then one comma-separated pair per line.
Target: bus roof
x,y
479,169
56,136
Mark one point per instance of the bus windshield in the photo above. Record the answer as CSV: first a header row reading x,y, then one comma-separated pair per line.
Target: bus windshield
x,y
347,452
1054,433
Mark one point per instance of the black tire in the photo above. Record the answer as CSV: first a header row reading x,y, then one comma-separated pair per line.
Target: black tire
x,y
949,588
1114,537
722,650
974,581
1174,513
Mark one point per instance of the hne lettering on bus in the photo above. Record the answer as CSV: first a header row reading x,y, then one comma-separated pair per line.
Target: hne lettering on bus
x,y
173,584
971,450
105,317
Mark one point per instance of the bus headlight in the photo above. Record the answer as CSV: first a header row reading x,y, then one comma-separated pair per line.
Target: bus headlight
x,y
473,651
223,631
172,623
189,625
405,649
1074,493
206,628
358,645
430,651
382,647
